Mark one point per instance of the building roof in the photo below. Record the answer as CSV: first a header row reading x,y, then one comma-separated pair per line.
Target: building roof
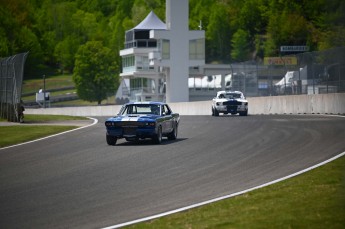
x,y
151,22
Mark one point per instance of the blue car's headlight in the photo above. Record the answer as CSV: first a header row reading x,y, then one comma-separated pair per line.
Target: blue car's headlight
x,y
111,123
152,124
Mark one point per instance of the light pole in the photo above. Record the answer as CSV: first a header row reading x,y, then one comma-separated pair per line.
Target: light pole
x,y
44,91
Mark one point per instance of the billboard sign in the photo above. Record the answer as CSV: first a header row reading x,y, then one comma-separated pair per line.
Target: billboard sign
x,y
294,48
285,60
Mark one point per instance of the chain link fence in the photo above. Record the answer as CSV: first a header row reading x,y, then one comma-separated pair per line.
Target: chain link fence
x,y
11,80
305,73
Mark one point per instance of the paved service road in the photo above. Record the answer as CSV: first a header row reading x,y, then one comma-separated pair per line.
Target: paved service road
x,y
76,180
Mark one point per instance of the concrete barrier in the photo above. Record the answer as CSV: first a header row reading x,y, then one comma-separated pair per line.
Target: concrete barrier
x,y
298,104
292,104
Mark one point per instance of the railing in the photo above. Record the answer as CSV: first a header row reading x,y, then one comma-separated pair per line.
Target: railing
x,y
306,73
141,43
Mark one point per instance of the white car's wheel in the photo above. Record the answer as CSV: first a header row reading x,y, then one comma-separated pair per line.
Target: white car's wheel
x,y
244,113
216,113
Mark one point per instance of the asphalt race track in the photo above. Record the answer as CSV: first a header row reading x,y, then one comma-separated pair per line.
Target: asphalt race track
x,y
76,180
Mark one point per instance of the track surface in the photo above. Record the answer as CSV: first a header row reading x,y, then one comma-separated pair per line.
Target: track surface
x,y
76,180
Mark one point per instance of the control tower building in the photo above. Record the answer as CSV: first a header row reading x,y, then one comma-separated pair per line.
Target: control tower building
x,y
158,56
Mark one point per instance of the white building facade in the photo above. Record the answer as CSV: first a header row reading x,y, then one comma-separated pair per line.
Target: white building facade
x,y
158,57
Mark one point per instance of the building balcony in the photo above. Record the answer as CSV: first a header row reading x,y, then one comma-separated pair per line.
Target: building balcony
x,y
141,43
135,51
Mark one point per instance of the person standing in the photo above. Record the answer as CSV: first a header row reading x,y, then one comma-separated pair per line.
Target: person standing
x,y
21,110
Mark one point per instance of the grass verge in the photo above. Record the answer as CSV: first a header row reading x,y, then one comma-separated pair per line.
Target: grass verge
x,y
58,82
47,118
52,82
315,199
11,135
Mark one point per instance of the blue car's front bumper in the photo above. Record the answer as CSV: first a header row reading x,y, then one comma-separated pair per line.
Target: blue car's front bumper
x,y
129,132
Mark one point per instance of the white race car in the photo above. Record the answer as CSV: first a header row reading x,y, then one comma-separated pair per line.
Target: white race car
x,y
232,102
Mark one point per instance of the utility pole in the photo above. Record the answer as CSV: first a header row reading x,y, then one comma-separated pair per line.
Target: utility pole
x,y
44,91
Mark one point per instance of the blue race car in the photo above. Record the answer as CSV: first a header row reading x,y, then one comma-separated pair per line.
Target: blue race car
x,y
140,120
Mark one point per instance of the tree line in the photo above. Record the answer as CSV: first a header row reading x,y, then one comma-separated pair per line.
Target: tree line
x,y
236,30
56,32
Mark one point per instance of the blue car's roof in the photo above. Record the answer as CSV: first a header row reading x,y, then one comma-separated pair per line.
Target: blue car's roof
x,y
155,103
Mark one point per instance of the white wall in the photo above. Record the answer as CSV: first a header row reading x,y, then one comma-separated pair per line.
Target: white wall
x,y
293,104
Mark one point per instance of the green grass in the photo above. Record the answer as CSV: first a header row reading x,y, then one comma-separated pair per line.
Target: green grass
x,y
56,82
46,118
52,82
10,135
79,102
52,94
315,199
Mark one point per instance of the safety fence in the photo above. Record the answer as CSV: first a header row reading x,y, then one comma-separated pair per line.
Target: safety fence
x,y
11,80
307,73
320,72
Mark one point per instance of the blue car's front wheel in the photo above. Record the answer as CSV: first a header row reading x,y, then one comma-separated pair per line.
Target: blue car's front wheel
x,y
173,134
111,140
158,138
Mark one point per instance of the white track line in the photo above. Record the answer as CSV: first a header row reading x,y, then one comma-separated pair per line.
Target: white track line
x,y
95,121
222,197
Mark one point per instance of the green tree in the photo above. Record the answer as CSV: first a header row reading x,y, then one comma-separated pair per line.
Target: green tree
x,y
218,33
62,15
287,25
28,42
65,52
118,24
199,12
95,72
141,8
8,30
240,47
49,29
85,25
251,17
335,37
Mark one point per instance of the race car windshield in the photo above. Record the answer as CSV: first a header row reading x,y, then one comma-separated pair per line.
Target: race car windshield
x,y
233,96
141,109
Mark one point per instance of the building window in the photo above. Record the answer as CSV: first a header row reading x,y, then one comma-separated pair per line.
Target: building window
x,y
128,63
197,49
139,84
143,63
165,49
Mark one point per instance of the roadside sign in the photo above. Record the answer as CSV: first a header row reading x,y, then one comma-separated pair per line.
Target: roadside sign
x,y
285,60
295,48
